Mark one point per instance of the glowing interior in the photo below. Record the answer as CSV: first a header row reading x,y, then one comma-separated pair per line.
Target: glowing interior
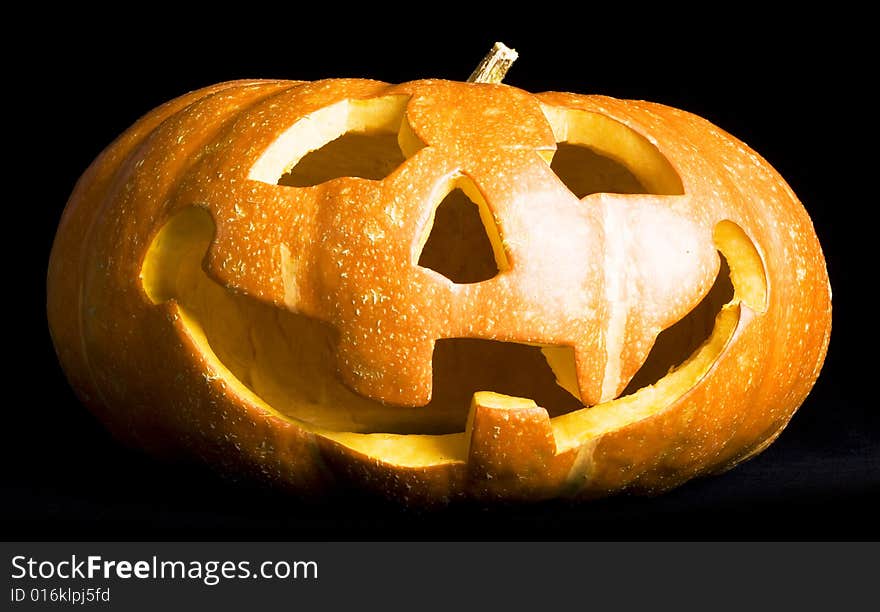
x,y
371,155
603,174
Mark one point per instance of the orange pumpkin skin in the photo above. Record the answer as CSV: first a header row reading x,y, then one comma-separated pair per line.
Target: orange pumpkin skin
x,y
140,367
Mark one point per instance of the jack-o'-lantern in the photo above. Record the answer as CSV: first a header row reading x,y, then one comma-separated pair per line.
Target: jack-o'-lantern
x,y
438,289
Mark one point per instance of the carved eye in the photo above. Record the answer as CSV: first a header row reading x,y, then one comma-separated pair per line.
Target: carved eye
x,y
352,138
596,154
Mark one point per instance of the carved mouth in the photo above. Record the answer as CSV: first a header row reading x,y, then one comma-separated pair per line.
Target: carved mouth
x,y
286,363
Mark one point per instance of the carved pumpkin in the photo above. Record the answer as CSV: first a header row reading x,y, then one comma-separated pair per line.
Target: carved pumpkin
x,y
438,289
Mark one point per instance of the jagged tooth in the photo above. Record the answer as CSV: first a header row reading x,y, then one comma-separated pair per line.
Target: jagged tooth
x,y
510,442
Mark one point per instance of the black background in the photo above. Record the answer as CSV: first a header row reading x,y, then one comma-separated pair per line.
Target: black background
x,y
792,88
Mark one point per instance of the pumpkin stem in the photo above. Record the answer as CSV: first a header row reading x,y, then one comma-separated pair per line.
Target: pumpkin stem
x,y
495,65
